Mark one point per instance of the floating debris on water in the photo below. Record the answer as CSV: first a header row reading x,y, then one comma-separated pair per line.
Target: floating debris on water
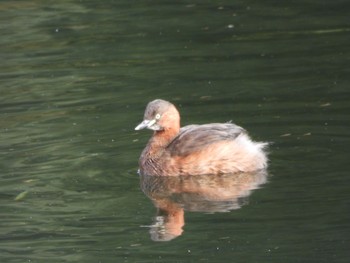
x,y
286,135
21,196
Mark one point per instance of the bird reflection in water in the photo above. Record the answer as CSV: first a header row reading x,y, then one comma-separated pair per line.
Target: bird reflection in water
x,y
173,195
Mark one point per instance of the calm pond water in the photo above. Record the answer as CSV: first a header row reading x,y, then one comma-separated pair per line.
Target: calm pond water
x,y
75,78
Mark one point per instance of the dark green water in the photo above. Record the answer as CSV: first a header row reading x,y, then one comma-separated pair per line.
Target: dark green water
x,y
75,78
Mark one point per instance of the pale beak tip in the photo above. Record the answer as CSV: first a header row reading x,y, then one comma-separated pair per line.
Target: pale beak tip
x,y
141,126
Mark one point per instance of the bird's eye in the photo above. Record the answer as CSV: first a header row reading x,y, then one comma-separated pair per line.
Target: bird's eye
x,y
157,116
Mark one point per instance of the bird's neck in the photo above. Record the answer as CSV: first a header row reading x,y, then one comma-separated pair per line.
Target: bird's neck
x,y
160,140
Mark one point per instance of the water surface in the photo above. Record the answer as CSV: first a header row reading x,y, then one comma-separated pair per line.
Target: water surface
x,y
75,78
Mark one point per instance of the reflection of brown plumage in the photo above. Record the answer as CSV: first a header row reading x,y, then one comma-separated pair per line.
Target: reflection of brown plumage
x,y
213,148
172,195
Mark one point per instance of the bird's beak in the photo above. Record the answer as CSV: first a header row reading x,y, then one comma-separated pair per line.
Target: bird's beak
x,y
145,124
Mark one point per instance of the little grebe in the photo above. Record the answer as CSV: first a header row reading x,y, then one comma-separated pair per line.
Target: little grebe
x,y
214,148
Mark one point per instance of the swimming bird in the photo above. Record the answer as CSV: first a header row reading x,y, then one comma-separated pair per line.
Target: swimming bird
x,y
214,148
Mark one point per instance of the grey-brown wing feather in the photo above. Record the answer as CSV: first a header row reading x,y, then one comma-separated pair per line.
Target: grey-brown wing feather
x,y
194,138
